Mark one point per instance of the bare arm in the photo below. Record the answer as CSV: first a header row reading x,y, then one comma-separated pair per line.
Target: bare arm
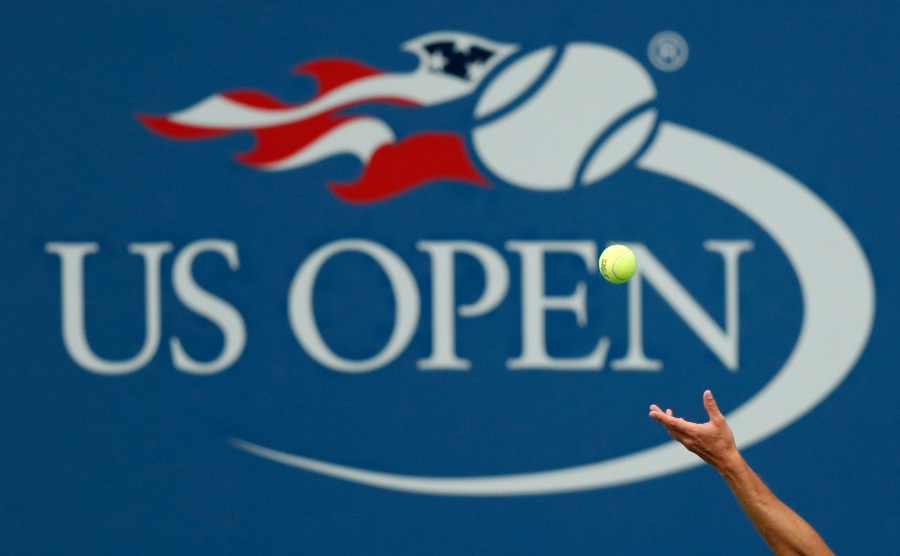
x,y
783,530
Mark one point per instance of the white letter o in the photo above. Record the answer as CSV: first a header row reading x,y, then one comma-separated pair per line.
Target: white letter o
x,y
303,321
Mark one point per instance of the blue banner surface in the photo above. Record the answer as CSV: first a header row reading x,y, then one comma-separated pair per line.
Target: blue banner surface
x,y
322,278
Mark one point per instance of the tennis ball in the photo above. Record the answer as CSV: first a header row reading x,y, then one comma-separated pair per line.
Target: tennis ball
x,y
617,264
551,122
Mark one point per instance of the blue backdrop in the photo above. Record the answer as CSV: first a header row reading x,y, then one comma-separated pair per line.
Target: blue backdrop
x,y
147,457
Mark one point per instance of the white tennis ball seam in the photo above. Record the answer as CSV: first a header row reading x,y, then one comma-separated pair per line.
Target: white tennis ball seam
x,y
612,267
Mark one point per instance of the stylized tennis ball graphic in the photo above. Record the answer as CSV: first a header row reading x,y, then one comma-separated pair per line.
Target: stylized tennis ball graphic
x,y
551,122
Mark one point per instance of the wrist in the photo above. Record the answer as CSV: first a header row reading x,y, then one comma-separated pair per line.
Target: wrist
x,y
730,464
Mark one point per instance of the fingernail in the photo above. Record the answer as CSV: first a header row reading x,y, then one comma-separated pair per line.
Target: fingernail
x,y
707,395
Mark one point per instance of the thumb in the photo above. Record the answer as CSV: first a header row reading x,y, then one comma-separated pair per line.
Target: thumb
x,y
712,409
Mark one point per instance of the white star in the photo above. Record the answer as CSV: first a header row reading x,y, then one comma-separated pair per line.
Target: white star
x,y
463,44
437,61
476,70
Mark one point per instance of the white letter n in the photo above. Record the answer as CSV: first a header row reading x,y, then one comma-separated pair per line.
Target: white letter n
x,y
723,343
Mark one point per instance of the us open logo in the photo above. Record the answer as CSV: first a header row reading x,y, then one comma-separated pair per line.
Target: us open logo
x,y
553,119
547,120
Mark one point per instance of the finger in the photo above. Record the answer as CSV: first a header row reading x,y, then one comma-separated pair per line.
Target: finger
x,y
654,407
669,413
677,424
658,414
712,409
671,423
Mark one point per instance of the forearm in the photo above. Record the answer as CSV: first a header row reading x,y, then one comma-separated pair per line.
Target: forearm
x,y
783,530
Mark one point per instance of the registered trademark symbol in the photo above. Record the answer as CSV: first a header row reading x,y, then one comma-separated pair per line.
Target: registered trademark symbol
x,y
668,51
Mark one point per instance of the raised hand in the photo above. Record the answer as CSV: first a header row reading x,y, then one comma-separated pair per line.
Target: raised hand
x,y
713,441
782,528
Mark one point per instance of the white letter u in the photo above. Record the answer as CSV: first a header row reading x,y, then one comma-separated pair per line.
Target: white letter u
x,y
72,285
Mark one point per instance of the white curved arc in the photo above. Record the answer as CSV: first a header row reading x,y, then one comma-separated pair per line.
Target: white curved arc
x,y
833,333
832,336
646,464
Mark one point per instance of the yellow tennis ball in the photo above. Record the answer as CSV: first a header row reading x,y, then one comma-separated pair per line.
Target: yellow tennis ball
x,y
617,264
